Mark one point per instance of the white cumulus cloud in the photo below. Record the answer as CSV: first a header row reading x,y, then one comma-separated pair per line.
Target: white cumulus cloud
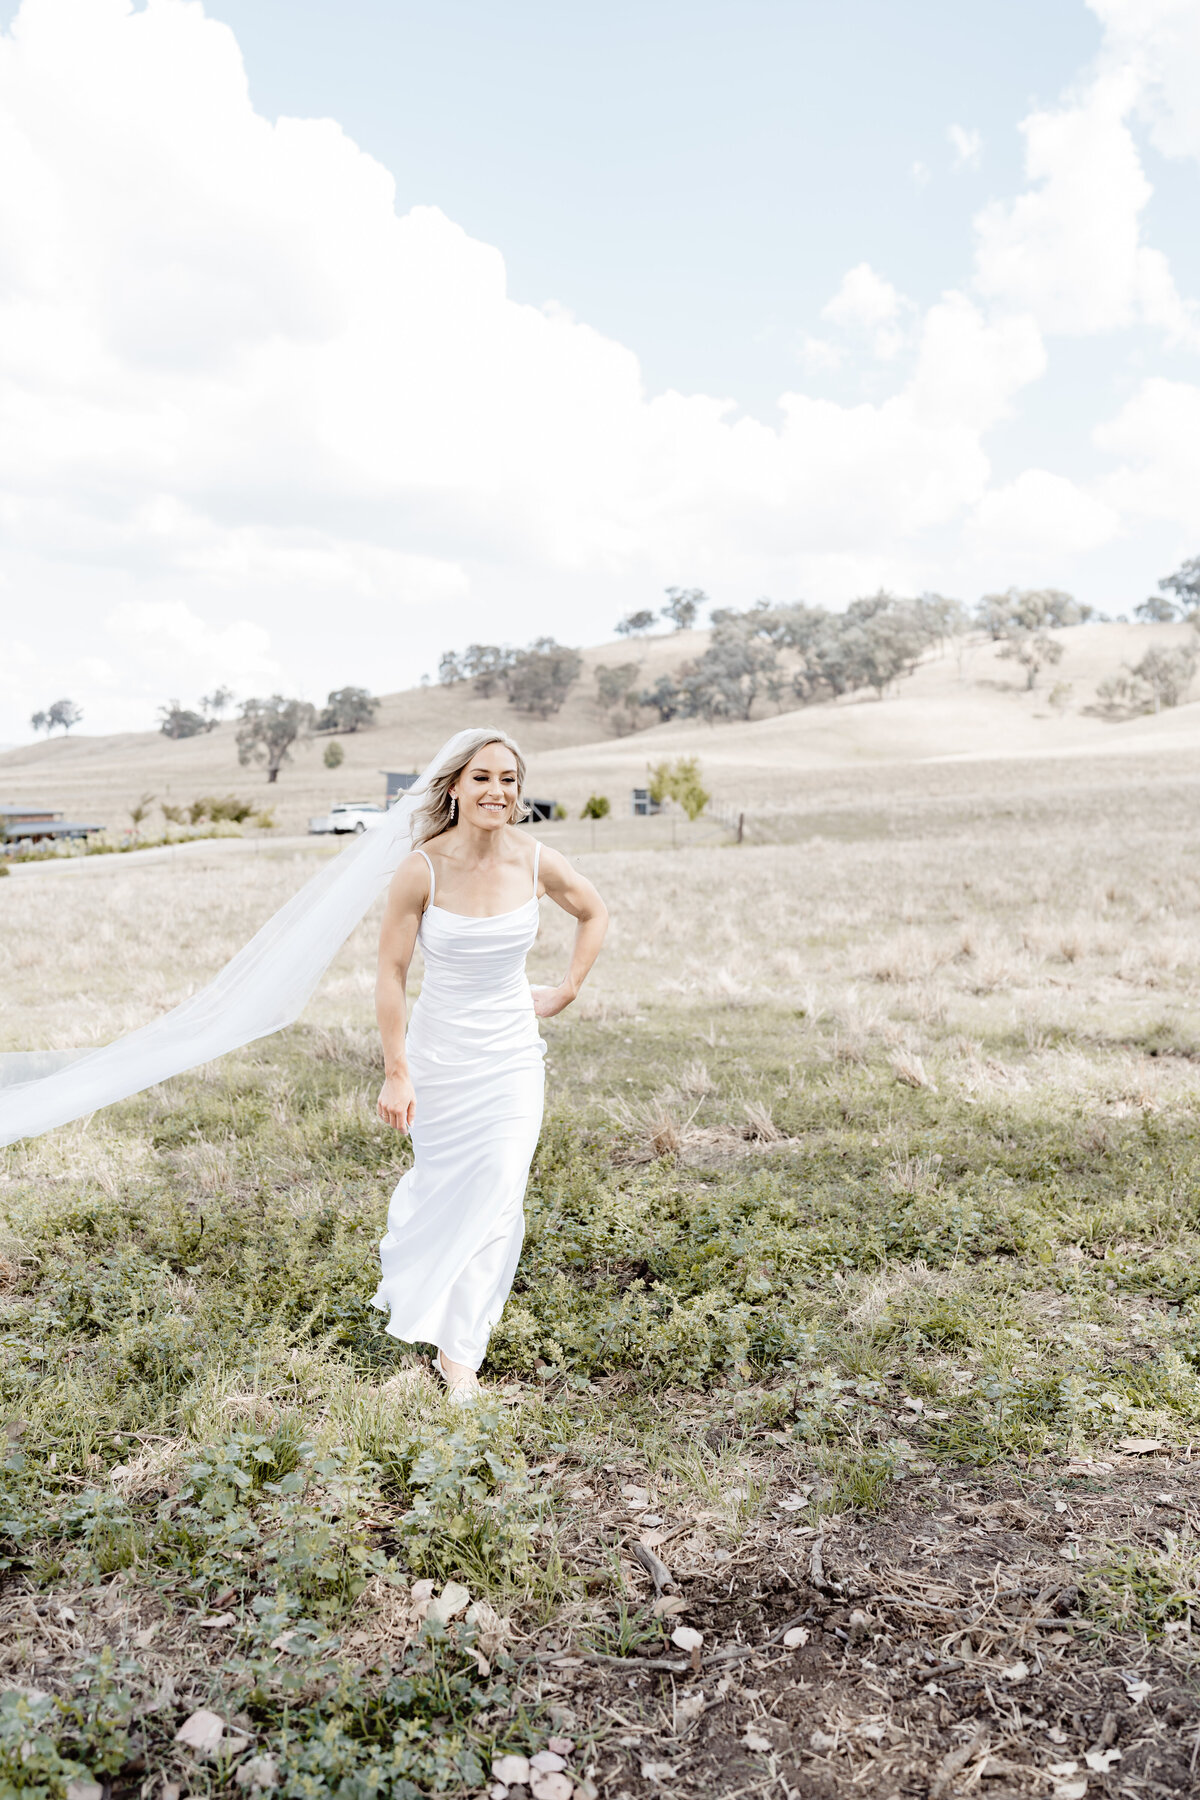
x,y
1156,439
1160,41
165,636
1071,249
1039,520
866,302
257,427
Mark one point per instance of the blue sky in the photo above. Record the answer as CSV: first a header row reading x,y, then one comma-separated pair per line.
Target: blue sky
x,y
469,321
690,178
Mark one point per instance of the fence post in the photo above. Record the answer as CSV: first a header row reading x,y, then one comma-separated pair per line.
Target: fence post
x,y
741,826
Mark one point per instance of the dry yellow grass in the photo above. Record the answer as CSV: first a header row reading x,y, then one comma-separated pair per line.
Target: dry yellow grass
x,y
1050,904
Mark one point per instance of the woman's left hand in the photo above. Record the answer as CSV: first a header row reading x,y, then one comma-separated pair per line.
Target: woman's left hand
x,y
550,1000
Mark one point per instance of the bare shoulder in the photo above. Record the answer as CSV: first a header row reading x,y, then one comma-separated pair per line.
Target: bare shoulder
x,y
409,888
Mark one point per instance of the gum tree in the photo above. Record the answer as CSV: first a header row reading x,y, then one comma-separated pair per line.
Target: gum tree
x,y
268,728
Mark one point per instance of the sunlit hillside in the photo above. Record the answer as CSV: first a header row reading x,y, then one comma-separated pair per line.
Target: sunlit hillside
x,y
973,705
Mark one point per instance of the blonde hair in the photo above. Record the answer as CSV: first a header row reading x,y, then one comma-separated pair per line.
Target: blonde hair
x,y
433,815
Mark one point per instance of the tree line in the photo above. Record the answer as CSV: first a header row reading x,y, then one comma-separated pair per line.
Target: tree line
x,y
787,655
346,709
796,654
535,679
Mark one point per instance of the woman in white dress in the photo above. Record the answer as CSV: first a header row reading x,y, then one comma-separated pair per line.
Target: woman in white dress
x,y
466,1079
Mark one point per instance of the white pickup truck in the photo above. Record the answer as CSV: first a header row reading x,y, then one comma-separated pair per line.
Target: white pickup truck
x,y
349,815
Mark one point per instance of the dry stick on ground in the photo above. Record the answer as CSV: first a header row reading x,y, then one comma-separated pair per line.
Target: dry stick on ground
x,y
658,1571
950,1765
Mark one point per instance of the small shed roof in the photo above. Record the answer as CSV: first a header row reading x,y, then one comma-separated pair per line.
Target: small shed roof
x,y
42,828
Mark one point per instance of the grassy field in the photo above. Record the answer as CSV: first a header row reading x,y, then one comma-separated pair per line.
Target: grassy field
x,y
856,1335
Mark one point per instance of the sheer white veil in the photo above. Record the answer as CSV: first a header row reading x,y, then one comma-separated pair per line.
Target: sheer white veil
x,y
264,988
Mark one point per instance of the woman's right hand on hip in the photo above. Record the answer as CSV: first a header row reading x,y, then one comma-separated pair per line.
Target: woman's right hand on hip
x,y
397,1103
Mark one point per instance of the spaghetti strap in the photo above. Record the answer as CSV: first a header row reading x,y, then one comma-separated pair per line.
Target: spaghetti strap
x,y
432,877
537,855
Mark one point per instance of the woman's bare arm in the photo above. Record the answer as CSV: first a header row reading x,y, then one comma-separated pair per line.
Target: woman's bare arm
x,y
576,895
406,900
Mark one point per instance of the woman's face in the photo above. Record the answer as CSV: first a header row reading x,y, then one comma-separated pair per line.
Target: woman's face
x,y
487,789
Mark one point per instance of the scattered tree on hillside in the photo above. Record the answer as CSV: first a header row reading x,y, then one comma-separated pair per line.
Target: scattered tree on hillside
x,y
1120,694
665,698
614,682
1185,585
1026,610
882,639
634,623
615,690
535,679
1161,678
1156,610
683,607
486,665
596,806
215,705
1167,673
348,709
176,721
872,644
540,677
1033,651
944,619
66,714
725,679
267,729
334,755
62,714
781,654
1021,621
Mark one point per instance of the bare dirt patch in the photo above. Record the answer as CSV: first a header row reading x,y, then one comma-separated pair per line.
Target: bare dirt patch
x,y
947,1647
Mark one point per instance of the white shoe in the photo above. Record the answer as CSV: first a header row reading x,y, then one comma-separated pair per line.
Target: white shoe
x,y
461,1390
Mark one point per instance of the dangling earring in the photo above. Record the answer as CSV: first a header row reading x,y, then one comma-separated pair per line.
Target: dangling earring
x,y
453,809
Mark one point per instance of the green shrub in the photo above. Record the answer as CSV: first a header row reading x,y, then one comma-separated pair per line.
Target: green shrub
x,y
680,781
229,807
596,806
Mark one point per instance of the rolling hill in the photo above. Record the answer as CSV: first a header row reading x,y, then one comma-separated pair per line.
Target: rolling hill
x,y
944,711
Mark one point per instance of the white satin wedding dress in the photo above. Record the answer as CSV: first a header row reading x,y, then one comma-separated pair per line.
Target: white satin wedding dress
x,y
456,1221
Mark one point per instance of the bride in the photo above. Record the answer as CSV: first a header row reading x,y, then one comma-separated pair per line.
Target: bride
x,y
466,1080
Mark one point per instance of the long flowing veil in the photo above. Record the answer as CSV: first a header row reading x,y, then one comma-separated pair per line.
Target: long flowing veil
x,y
261,990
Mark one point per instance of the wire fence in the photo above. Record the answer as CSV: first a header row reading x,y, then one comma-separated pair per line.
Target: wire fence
x,y
720,824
